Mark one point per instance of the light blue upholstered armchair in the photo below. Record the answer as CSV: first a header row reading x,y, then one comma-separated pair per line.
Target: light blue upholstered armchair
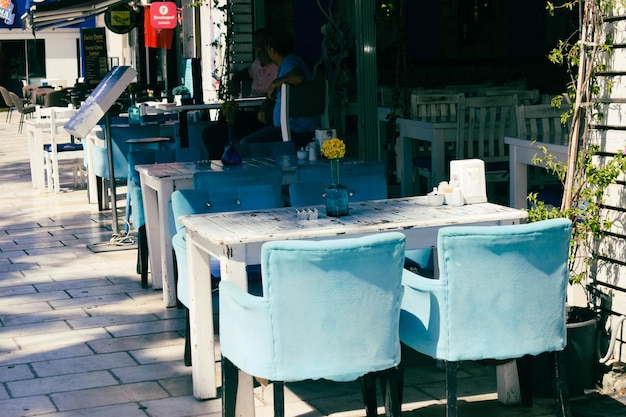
x,y
500,294
232,190
329,309
135,199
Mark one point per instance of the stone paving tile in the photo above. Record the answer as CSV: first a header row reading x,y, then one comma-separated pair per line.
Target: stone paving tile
x,y
75,284
119,394
158,326
18,300
118,344
182,406
177,386
17,290
41,316
159,354
63,383
29,406
76,365
119,410
103,290
151,372
110,320
15,373
62,338
7,345
34,329
43,352
89,301
16,310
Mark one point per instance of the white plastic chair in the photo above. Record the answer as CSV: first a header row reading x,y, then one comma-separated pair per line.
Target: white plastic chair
x,y
71,153
304,100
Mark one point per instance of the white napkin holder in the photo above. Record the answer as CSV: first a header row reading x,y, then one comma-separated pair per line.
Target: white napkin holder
x,y
322,135
470,176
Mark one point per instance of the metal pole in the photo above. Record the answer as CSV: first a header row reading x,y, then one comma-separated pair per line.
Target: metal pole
x,y
369,148
109,143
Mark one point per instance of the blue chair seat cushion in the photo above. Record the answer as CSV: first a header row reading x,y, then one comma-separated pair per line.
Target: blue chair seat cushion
x,y
64,147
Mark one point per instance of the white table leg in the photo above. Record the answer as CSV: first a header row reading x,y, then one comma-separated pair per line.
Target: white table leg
x,y
233,268
166,277
153,233
518,181
201,322
438,158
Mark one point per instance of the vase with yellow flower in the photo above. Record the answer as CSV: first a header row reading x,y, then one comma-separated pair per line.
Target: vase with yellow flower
x,y
336,194
229,112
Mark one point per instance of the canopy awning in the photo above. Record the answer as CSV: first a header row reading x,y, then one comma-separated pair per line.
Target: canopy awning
x,y
45,14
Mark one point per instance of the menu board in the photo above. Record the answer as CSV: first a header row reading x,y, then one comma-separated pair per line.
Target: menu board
x,y
100,101
95,55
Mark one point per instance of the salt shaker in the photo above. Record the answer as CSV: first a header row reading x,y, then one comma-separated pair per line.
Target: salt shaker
x,y
312,152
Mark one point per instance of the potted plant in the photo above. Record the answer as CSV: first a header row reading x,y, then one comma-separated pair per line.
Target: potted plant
x,y
586,176
180,93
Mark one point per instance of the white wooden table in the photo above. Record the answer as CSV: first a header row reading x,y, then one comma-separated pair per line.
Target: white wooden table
x,y
184,109
36,129
521,154
236,239
158,182
437,134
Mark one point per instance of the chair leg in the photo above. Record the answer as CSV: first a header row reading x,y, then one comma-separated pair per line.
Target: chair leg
x,y
392,398
230,381
451,388
142,253
368,388
525,376
279,399
561,393
187,339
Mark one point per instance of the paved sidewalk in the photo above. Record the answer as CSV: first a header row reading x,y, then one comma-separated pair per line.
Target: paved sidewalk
x,y
80,337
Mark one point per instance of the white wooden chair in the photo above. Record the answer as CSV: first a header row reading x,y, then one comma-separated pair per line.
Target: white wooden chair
x,y
304,100
431,108
484,123
527,97
542,123
57,151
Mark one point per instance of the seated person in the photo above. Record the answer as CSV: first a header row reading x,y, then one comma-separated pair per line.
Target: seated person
x,y
292,70
261,73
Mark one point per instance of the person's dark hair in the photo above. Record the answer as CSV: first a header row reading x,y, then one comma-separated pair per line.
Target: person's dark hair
x,y
261,37
282,42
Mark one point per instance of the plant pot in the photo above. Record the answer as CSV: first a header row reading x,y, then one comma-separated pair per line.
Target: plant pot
x,y
579,357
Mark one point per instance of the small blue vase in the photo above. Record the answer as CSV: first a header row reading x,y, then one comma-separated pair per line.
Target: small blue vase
x,y
336,194
231,156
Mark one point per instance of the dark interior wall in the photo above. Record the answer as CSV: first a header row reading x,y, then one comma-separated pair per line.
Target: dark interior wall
x,y
450,41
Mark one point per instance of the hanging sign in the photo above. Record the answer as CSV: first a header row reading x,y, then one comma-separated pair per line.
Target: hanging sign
x,y
163,15
120,18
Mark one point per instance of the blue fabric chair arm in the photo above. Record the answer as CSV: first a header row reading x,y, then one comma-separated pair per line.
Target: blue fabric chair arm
x,y
423,314
245,322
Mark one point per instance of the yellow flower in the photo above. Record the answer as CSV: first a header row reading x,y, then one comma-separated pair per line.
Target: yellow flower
x,y
229,111
334,148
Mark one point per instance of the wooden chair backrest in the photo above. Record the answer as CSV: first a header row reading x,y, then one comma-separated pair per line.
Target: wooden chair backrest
x,y
524,96
435,107
307,99
484,124
543,123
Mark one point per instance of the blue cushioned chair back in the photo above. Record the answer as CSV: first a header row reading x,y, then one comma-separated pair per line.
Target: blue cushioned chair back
x,y
266,150
232,190
332,310
502,293
240,189
119,136
321,171
306,193
365,181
